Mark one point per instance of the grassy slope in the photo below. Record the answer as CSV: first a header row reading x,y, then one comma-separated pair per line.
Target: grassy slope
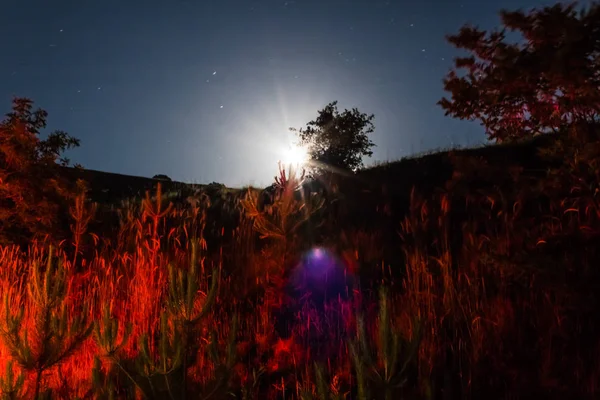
x,y
395,179
374,199
493,299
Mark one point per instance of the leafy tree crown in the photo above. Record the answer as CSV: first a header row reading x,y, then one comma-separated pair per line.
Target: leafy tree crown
x,y
31,187
338,140
544,81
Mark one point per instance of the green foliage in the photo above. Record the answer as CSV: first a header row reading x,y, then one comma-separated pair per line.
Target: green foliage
x,y
57,332
183,291
338,140
159,370
164,375
542,83
161,367
388,370
106,334
323,389
182,304
31,189
11,388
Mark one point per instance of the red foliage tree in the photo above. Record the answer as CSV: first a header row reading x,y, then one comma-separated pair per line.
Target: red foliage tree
x,y
31,189
541,83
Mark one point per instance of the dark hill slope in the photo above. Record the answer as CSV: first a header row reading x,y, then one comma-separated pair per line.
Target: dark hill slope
x,y
383,193
111,188
391,181
374,198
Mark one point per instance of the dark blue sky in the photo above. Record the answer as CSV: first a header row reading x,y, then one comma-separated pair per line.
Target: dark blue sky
x,y
205,90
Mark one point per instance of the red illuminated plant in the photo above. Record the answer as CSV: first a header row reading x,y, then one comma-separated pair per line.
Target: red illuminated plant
x,y
56,331
11,387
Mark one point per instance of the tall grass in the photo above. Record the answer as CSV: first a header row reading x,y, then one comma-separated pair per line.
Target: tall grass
x,y
491,292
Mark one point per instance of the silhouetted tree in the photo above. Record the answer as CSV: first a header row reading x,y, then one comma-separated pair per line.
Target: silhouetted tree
x,y
162,177
546,80
31,188
338,140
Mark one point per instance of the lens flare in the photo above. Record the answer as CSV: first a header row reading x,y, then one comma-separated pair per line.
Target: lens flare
x,y
319,261
296,156
319,270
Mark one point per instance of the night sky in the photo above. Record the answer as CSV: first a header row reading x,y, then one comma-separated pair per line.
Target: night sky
x,y
205,90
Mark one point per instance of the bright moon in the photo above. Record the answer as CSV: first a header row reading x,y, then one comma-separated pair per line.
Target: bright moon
x,y
295,155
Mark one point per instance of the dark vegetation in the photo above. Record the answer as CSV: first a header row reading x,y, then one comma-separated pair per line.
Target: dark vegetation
x,y
338,141
459,274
